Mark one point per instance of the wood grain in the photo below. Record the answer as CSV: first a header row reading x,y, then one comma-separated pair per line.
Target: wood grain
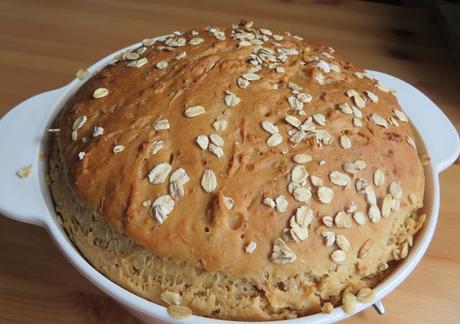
x,y
43,43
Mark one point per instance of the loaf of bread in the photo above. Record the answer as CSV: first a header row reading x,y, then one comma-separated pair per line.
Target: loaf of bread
x,y
243,173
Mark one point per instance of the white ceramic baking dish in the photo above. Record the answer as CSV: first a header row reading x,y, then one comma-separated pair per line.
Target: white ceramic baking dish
x,y
23,136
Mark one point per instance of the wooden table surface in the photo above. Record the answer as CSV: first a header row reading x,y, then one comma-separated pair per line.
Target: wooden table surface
x,y
43,43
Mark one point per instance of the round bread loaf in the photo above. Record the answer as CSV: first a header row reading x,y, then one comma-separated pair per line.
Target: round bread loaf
x,y
242,173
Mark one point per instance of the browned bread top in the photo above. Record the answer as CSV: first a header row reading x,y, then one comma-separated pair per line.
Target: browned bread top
x,y
244,150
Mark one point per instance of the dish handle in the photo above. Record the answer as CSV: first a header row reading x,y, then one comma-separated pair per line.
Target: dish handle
x,y
439,135
21,133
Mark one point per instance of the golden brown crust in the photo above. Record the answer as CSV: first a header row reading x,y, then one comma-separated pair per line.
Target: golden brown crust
x,y
201,229
263,296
